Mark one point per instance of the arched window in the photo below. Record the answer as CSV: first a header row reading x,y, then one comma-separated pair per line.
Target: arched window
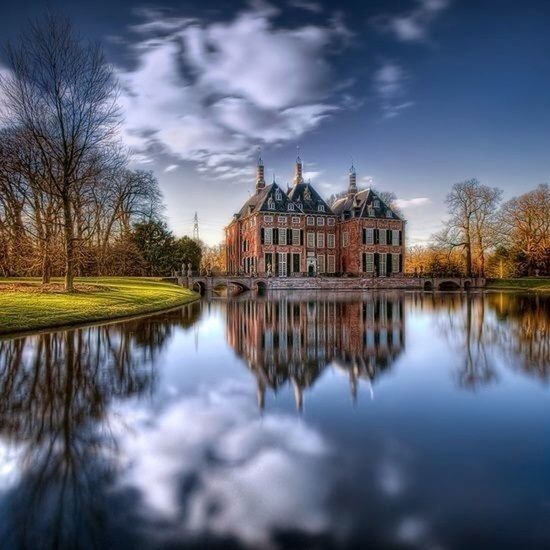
x,y
277,195
290,206
321,208
270,204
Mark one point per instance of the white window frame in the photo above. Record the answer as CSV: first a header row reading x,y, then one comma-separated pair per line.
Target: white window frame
x,y
331,263
295,220
320,208
270,204
369,236
282,237
290,207
376,203
310,239
295,237
382,237
268,235
320,221
395,263
370,211
268,219
321,265
320,240
382,263
331,240
330,221
395,237
369,262
389,213
278,195
282,220
310,220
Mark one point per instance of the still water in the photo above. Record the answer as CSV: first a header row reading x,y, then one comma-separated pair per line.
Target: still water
x,y
372,420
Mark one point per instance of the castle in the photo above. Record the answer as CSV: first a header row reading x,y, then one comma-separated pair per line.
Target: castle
x,y
296,233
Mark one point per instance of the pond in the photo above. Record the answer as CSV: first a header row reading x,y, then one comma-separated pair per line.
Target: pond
x,y
292,420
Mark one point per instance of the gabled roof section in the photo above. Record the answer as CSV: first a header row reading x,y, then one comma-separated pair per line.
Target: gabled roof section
x,y
305,195
364,204
270,199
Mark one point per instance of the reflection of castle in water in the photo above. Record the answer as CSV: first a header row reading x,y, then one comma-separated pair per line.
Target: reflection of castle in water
x,y
292,338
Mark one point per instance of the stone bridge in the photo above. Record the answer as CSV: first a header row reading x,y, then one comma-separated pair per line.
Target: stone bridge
x,y
241,283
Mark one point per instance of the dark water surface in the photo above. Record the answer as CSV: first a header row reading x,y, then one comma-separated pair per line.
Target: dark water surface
x,y
387,420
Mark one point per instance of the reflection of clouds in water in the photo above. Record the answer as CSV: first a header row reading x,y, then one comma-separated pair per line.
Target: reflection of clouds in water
x,y
248,475
10,458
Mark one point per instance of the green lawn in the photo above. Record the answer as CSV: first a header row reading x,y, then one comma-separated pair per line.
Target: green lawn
x,y
100,298
524,283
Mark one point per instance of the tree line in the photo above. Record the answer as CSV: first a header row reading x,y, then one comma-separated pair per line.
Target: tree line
x,y
488,238
69,203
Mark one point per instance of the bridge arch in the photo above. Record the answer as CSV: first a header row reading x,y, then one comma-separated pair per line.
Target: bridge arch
x,y
260,287
467,285
428,286
200,287
449,285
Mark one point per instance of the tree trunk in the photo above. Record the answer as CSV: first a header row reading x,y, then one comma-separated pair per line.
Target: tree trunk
x,y
69,243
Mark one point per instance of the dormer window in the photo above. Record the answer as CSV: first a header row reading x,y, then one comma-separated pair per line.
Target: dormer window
x,y
270,204
389,214
321,208
370,210
376,204
290,206
278,195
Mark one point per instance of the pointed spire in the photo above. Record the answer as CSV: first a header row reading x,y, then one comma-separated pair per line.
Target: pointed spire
x,y
352,187
298,172
260,180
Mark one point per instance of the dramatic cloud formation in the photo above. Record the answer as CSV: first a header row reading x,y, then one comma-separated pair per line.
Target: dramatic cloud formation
x,y
408,203
413,26
259,474
389,85
211,92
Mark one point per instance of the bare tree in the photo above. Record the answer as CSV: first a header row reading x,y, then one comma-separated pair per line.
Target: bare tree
x,y
60,93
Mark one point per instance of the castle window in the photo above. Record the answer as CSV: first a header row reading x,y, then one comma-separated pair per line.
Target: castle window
x,y
330,221
282,220
268,219
311,240
321,263
295,220
368,262
389,214
331,241
370,211
278,195
376,204
270,204
395,263
268,235
368,236
310,220
290,206
331,261
320,221
321,208
382,236
282,236
320,240
295,237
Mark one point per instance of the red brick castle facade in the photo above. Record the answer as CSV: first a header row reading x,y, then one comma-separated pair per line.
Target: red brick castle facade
x,y
296,232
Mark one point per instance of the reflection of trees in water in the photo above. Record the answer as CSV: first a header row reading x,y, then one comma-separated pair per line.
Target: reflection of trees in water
x,y
482,326
291,338
54,392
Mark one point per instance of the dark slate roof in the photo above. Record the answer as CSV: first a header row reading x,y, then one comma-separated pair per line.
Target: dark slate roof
x,y
259,202
305,195
357,206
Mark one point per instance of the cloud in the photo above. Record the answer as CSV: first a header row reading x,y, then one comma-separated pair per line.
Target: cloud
x,y
210,92
413,26
389,85
411,203
306,5
260,474
171,168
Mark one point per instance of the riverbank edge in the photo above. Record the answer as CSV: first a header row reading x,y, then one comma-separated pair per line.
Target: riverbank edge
x,y
171,300
524,284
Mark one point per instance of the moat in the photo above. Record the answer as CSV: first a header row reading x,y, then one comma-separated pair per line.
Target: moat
x,y
390,419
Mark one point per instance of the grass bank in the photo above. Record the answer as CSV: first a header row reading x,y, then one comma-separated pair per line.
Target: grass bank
x,y
539,284
25,305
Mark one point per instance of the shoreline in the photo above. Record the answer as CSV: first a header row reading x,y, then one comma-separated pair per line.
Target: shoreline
x,y
116,299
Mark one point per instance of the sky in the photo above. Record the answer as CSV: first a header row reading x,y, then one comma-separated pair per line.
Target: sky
x,y
418,94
